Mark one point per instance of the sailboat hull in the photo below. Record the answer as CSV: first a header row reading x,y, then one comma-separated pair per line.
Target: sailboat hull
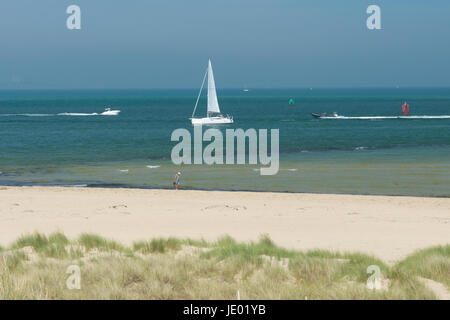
x,y
211,120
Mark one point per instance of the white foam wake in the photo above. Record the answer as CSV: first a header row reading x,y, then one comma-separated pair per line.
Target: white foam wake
x,y
388,117
26,115
77,114
70,114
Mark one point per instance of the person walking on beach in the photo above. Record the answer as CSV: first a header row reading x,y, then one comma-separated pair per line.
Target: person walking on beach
x,y
176,181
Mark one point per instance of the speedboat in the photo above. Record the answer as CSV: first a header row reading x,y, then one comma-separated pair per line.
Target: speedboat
x,y
324,115
109,112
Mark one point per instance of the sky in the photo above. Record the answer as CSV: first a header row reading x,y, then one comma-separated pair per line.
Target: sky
x,y
254,44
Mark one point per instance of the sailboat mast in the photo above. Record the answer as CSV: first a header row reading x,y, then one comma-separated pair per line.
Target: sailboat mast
x,y
199,93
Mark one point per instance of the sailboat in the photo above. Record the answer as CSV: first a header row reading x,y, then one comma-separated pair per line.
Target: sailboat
x,y
213,115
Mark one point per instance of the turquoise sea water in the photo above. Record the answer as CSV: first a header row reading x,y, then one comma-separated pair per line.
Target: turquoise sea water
x,y
378,156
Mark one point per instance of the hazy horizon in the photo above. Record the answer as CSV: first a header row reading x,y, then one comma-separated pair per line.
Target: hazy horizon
x,y
254,44
230,88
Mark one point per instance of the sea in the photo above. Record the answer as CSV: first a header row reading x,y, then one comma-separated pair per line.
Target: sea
x,y
58,138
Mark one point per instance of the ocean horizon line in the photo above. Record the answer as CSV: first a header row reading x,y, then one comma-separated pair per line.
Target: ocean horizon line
x,y
230,88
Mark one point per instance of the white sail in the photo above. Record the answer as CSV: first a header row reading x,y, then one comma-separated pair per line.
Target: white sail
x,y
213,104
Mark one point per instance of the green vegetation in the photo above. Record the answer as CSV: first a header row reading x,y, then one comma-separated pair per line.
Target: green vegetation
x,y
91,241
432,263
34,267
52,246
157,245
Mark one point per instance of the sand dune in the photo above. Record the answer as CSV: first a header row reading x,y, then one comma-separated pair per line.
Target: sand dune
x,y
388,227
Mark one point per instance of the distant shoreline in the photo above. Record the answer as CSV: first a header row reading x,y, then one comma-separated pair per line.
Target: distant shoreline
x,y
189,188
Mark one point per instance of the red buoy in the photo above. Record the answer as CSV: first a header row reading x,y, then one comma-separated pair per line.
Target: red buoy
x,y
405,109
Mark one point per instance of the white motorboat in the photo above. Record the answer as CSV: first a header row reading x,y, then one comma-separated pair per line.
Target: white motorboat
x,y
109,112
324,115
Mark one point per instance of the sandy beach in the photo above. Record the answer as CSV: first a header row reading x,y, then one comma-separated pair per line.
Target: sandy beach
x,y
388,227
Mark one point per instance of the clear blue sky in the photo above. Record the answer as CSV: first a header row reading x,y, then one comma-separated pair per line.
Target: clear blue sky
x,y
257,43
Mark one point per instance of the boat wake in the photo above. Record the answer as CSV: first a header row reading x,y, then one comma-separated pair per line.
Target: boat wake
x,y
386,117
77,114
27,115
67,114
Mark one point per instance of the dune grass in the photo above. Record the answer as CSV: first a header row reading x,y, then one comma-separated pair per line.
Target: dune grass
x,y
160,245
91,241
51,246
432,263
34,267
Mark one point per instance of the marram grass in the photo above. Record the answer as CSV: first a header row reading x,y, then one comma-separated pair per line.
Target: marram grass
x,y
35,267
432,263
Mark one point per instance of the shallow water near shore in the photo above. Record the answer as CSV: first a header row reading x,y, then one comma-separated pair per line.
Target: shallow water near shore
x,y
58,138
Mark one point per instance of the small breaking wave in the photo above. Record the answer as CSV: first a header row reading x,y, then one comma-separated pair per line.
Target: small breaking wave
x,y
290,169
153,167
